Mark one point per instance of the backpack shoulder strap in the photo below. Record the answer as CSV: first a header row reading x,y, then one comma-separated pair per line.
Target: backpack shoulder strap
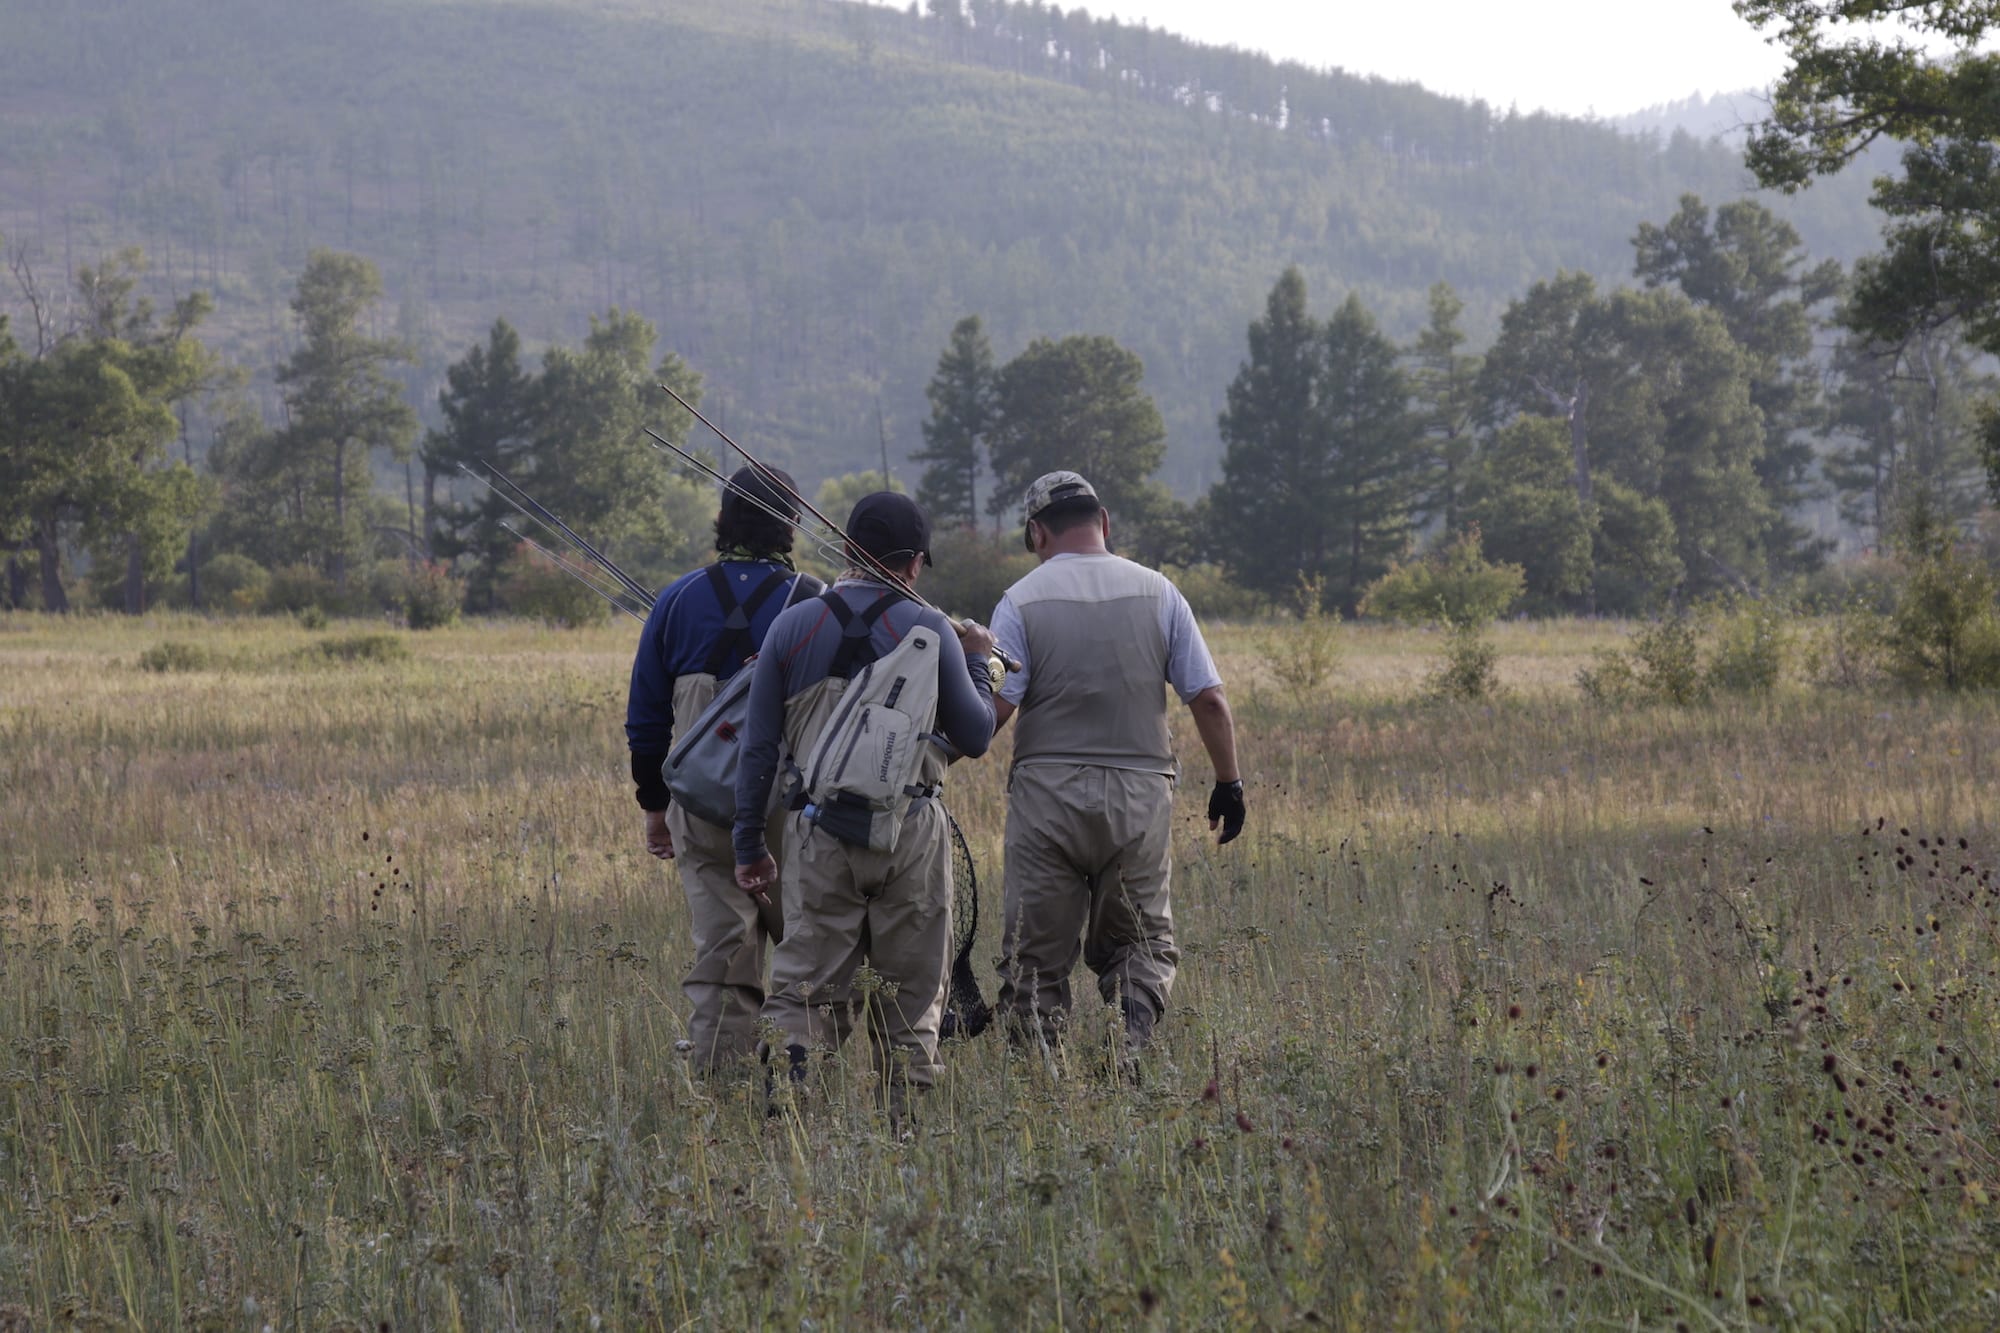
x,y
857,647
736,640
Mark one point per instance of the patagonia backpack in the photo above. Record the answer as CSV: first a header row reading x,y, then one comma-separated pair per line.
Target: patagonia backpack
x,y
701,768
862,772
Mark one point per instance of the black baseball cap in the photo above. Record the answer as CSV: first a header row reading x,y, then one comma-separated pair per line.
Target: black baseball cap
x,y
760,492
888,524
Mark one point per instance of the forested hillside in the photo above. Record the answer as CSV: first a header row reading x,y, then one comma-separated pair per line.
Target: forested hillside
x,y
803,195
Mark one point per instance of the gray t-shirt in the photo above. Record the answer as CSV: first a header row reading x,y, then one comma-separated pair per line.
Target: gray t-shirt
x,y
1190,668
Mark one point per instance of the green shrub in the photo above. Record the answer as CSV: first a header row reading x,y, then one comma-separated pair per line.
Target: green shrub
x,y
1213,596
1848,649
1866,582
1944,631
431,596
1752,645
232,582
298,588
175,655
1303,655
362,648
1453,585
1467,673
532,585
1609,679
973,568
1667,661
1662,664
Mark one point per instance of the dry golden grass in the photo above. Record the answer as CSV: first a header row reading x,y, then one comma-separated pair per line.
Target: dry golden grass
x,y
342,993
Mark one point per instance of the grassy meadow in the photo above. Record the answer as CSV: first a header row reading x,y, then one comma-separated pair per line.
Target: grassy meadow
x,y
338,992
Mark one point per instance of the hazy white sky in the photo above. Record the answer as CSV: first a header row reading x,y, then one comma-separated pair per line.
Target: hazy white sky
x,y
1569,56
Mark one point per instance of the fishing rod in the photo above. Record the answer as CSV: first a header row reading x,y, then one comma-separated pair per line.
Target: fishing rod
x,y
852,552
627,585
630,584
573,572
825,545
868,562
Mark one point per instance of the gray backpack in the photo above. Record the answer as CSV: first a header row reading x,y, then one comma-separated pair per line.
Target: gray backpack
x,y
701,768
862,771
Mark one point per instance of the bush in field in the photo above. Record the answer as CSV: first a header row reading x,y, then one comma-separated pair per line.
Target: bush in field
x,y
1868,582
1662,664
1467,673
295,589
1848,650
1609,679
175,655
1945,631
1752,644
362,648
233,583
1453,585
1456,586
1303,656
532,585
973,568
430,595
1209,591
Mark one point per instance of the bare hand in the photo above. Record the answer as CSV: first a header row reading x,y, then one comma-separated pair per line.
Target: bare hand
x,y
757,878
659,841
976,639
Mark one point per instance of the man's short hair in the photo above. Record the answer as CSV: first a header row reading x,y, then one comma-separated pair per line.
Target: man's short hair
x,y
1066,515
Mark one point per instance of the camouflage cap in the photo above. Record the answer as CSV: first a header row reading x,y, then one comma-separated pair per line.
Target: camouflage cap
x,y
1050,487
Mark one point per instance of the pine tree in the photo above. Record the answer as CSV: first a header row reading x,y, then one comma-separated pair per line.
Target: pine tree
x,y
1369,482
1267,517
1749,266
1445,384
586,458
487,404
84,429
961,395
341,402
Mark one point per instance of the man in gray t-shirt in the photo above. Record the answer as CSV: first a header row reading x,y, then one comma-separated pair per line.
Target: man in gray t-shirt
x,y
1090,799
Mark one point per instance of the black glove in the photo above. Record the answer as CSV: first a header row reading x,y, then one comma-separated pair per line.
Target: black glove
x,y
1225,803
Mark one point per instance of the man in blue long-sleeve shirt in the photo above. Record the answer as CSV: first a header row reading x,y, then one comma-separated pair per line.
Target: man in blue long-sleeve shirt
x,y
702,629
845,902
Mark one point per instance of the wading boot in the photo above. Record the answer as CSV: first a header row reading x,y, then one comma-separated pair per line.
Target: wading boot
x,y
1139,1020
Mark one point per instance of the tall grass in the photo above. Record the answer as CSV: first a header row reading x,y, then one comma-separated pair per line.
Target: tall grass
x,y
343,993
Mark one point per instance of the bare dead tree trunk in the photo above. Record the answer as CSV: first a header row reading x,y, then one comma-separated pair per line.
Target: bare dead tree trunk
x,y
135,576
49,556
194,571
417,544
337,558
430,511
1573,408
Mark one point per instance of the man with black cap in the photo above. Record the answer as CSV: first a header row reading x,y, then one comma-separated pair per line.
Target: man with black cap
x,y
845,902
1090,799
702,629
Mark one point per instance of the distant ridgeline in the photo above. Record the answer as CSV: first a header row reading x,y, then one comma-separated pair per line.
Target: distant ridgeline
x,y
803,195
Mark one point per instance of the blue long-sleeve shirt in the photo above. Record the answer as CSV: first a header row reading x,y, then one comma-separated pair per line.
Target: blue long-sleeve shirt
x,y
798,653
686,623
